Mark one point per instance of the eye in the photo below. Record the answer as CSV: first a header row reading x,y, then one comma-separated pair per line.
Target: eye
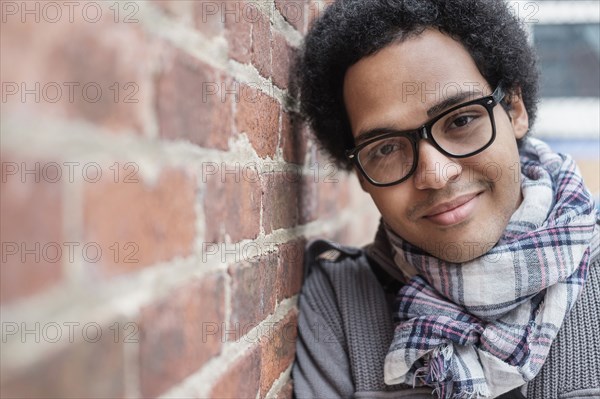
x,y
386,149
461,121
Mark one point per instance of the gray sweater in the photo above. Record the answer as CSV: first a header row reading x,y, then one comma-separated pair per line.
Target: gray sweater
x,y
345,328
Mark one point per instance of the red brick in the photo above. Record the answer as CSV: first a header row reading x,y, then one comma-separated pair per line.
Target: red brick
x,y
261,45
31,214
84,369
258,116
149,223
209,17
281,202
241,379
238,31
293,11
278,350
253,290
294,138
102,55
283,55
180,333
232,204
290,268
193,104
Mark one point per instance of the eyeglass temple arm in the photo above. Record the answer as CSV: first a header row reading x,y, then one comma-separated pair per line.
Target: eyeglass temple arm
x,y
499,93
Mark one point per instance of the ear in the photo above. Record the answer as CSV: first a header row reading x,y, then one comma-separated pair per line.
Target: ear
x,y
518,115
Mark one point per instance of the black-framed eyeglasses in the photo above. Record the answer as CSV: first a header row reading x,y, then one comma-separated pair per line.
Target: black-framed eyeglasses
x,y
459,132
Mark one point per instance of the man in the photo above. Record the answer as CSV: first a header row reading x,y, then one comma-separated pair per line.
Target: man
x,y
484,277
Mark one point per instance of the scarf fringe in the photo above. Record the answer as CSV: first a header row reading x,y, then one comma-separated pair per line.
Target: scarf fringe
x,y
439,367
439,363
475,394
436,373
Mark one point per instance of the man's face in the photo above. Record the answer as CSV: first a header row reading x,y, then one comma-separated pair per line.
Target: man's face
x,y
455,209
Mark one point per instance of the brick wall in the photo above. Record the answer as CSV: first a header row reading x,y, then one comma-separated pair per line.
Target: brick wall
x,y
157,193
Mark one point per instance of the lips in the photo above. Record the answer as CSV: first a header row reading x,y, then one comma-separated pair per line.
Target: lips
x,y
454,211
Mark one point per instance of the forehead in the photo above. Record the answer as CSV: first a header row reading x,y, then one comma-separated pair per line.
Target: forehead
x,y
397,85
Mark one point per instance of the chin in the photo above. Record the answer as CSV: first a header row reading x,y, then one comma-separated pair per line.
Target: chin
x,y
453,257
462,250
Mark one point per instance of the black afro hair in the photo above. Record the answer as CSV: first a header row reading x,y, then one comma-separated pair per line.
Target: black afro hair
x,y
349,30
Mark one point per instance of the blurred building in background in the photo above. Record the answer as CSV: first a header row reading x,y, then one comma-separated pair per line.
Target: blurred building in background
x,y
566,35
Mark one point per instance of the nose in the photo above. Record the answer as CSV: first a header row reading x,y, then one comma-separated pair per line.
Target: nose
x,y
434,170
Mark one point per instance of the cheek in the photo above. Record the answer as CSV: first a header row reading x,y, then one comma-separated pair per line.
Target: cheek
x,y
501,170
504,171
392,204
499,163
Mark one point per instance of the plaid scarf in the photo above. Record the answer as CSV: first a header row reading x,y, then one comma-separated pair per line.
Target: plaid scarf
x,y
466,344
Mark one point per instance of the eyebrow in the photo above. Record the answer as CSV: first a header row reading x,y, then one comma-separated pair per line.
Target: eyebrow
x,y
434,110
450,101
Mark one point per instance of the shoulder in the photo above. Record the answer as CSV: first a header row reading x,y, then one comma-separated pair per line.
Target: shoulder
x,y
328,268
331,258
325,263
328,252
574,357
345,303
334,266
343,284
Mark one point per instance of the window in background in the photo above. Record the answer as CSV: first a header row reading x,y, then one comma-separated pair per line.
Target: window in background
x,y
569,56
566,35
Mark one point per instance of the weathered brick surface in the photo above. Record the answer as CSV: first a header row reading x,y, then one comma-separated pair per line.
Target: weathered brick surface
x,y
290,268
30,229
242,379
108,86
193,104
281,63
149,223
232,204
294,138
258,116
278,350
179,333
253,290
175,106
293,11
261,44
281,200
238,31
82,369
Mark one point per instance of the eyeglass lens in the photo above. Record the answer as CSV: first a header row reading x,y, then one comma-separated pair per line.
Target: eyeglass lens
x,y
460,132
